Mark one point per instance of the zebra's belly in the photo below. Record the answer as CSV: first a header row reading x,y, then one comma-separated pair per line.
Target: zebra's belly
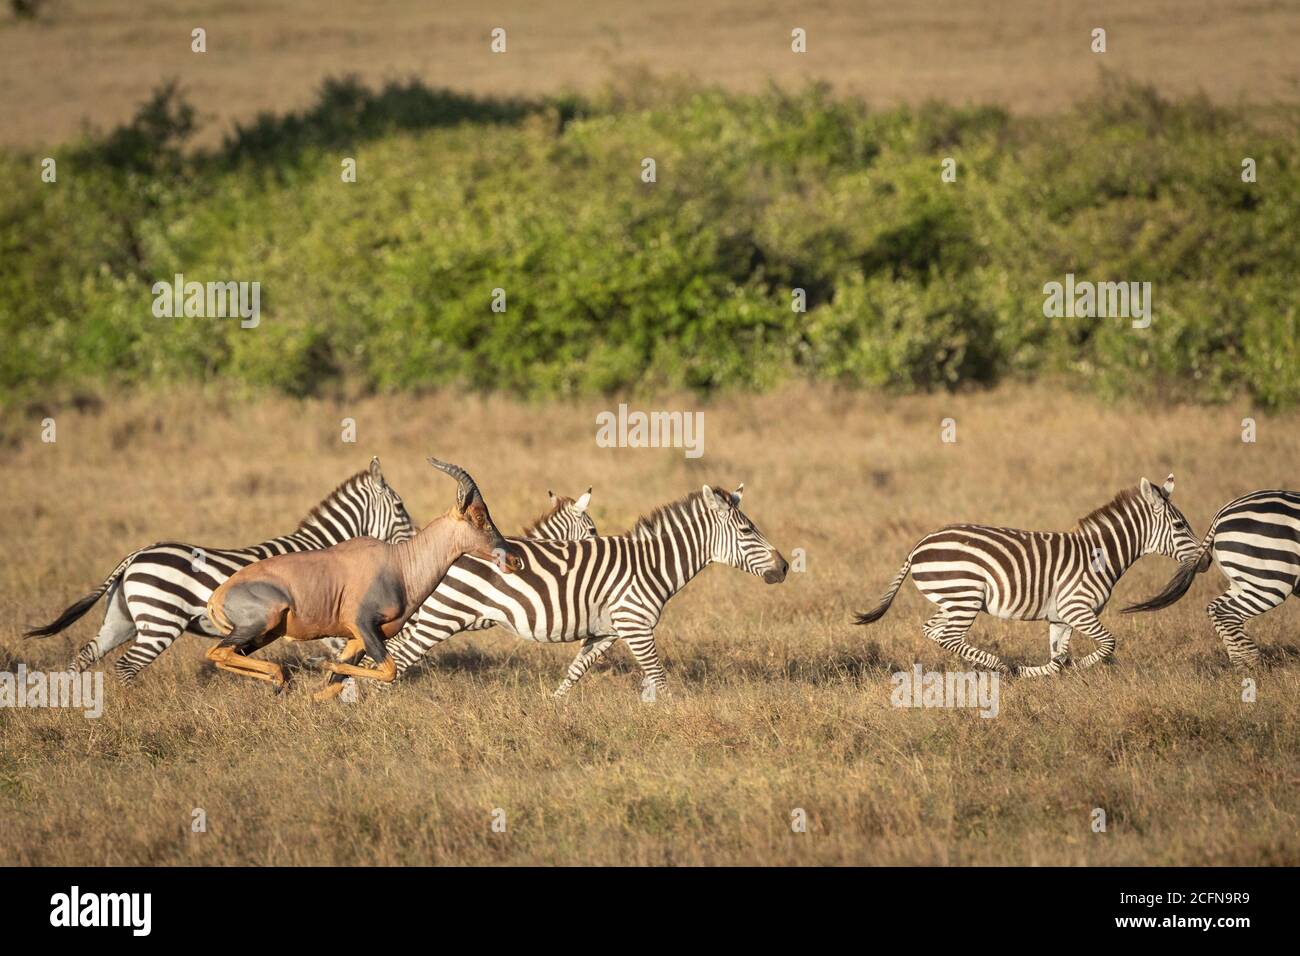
x,y
1024,609
551,628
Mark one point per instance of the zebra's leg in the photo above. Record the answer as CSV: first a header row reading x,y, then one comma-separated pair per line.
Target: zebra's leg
x,y
641,642
117,629
948,629
591,651
1058,640
144,652
1229,613
1086,623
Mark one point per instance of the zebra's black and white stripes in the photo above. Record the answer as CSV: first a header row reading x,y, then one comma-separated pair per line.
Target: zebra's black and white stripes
x,y
1255,541
596,590
1065,578
158,592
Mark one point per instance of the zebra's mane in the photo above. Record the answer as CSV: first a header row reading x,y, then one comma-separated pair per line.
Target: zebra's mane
x,y
561,502
1116,504
653,523
344,485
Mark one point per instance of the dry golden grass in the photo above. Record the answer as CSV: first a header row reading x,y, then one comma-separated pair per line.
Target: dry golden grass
x,y
779,702
95,61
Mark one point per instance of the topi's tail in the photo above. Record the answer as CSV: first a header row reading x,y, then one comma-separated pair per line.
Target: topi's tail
x,y
75,611
877,612
1182,579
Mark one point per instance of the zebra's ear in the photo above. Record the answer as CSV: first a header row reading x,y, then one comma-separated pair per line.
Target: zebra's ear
x,y
1150,493
375,473
737,495
583,501
1168,486
550,494
715,501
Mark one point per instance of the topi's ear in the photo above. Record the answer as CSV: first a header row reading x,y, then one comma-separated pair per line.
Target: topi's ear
x,y
737,495
1168,486
583,501
375,473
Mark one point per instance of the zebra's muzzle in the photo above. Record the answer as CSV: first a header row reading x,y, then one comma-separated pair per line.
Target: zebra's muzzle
x,y
776,573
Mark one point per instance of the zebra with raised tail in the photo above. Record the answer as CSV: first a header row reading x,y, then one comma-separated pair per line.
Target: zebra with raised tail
x,y
1255,541
597,590
158,592
1065,578
568,519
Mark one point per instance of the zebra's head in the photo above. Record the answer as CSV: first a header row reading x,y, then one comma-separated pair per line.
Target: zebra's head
x,y
383,515
734,540
567,520
1168,532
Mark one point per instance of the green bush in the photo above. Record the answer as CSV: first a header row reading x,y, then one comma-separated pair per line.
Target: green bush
x,y
613,283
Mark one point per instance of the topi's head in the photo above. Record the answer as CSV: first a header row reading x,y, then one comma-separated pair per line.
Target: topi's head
x,y
483,536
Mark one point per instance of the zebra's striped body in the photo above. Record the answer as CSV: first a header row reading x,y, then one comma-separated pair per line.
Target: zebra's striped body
x,y
1065,578
1255,541
157,593
596,590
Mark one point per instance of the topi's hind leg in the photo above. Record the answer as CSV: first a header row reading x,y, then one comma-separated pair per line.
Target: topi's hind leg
x,y
948,629
256,612
228,658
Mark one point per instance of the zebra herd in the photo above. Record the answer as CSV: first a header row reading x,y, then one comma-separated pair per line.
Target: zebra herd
x,y
576,585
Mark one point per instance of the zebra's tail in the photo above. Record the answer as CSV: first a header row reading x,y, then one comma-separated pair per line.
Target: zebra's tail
x,y
76,610
1182,579
877,612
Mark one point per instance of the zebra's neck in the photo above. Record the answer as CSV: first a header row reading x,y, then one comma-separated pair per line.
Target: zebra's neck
x,y
672,546
1113,537
326,525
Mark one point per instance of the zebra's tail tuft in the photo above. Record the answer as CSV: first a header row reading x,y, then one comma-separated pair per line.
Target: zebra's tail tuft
x,y
75,611
1181,581
877,612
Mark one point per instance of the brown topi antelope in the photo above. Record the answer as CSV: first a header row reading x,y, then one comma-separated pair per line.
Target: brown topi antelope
x,y
361,589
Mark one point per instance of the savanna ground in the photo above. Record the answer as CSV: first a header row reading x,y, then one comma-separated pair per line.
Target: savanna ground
x,y
779,703
92,61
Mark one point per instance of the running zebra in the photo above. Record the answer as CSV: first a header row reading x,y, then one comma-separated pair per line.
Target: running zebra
x,y
158,592
1255,540
1064,578
567,520
597,590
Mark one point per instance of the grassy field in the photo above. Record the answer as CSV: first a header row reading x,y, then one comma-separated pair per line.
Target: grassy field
x,y
778,702
92,62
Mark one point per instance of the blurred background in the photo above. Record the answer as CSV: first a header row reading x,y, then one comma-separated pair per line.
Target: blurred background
x,y
775,170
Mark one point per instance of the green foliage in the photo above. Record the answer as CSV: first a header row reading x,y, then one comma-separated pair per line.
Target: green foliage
x,y
614,283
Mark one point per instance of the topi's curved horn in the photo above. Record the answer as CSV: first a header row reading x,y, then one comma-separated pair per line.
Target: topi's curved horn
x,y
467,488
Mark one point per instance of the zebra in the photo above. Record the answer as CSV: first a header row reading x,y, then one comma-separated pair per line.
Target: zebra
x,y
157,592
597,590
1255,540
567,520
1064,578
